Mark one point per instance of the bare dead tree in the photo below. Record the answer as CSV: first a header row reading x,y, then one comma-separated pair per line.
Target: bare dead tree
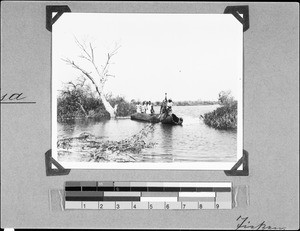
x,y
80,83
102,75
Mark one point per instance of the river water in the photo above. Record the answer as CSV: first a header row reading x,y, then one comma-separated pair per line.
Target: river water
x,y
193,141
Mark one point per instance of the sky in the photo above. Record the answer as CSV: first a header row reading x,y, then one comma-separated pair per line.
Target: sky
x,y
188,56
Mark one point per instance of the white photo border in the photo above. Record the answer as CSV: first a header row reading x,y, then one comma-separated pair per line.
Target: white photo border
x,y
205,165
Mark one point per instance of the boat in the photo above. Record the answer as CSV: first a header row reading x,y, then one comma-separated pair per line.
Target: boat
x,y
145,117
171,119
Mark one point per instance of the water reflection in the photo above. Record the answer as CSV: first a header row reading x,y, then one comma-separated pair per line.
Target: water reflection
x,y
167,142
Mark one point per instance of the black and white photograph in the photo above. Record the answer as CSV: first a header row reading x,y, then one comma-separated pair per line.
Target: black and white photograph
x,y
147,91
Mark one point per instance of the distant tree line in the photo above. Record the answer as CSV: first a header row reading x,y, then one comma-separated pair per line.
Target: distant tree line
x,y
194,103
184,103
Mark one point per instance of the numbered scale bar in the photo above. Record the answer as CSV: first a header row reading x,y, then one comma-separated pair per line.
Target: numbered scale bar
x,y
148,195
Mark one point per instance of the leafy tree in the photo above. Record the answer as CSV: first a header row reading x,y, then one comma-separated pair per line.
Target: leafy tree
x,y
124,108
225,98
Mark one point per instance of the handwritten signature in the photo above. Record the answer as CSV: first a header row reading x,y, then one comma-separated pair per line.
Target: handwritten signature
x,y
244,223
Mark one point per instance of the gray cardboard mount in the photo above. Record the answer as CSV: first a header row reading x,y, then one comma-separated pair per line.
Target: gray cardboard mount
x,y
271,124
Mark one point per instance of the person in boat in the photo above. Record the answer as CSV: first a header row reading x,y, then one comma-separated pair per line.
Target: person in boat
x,y
146,107
169,107
151,108
163,109
139,108
143,107
163,106
148,111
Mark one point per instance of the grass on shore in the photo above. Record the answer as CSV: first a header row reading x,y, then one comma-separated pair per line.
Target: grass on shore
x,y
223,118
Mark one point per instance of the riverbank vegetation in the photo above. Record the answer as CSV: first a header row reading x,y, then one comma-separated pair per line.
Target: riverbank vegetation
x,y
224,117
78,101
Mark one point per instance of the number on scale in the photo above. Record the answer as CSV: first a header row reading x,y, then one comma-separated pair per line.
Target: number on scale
x,y
167,206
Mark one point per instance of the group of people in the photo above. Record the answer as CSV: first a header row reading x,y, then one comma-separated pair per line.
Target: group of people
x,y
166,107
146,107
